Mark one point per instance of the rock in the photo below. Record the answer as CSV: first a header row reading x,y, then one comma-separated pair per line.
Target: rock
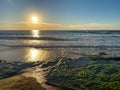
x,y
0,61
102,53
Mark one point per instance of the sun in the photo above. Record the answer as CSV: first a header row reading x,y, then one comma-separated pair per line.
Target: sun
x,y
35,19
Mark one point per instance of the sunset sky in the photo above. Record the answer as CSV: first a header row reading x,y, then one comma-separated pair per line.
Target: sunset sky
x,y
60,14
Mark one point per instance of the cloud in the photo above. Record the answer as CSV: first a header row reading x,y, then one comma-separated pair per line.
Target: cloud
x,y
94,26
54,26
30,26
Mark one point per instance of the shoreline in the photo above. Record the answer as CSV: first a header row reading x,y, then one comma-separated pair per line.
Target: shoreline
x,y
80,72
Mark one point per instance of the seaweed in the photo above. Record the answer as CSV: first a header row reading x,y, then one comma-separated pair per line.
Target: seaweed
x,y
89,76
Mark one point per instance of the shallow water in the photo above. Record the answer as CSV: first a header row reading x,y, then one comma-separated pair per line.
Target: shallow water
x,y
29,54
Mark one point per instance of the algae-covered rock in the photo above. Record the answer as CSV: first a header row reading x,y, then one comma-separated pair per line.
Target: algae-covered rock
x,y
96,57
102,53
88,76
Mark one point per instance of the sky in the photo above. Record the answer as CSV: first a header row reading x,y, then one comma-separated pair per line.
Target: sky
x,y
60,14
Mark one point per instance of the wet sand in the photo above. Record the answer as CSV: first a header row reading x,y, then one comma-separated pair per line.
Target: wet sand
x,y
20,83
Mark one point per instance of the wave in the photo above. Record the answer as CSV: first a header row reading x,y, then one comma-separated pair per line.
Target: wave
x,y
58,38
31,38
60,46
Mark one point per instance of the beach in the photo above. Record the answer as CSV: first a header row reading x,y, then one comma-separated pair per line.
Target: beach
x,y
60,64
59,44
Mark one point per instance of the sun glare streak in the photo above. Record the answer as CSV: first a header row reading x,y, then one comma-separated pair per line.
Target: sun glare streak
x,y
34,53
35,33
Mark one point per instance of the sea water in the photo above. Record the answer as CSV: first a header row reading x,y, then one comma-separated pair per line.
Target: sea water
x,y
43,38
45,45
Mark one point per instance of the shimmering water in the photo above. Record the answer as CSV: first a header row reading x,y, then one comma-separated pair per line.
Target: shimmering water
x,y
36,45
37,38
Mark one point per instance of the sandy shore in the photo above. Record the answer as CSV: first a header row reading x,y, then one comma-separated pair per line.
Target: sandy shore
x,y
20,82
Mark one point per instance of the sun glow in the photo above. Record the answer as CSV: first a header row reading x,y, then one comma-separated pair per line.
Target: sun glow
x,y
35,19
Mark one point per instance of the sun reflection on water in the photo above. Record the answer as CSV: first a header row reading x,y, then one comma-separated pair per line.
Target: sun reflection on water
x,y
35,33
34,53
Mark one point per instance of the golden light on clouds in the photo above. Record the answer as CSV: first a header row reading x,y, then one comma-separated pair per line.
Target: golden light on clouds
x,y
35,22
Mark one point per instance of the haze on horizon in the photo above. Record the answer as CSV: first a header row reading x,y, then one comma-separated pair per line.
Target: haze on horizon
x,y
60,14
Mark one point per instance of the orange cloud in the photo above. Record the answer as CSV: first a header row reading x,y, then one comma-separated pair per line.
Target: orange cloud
x,y
53,26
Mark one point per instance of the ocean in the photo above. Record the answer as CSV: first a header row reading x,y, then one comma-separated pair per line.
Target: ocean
x,y
35,45
43,38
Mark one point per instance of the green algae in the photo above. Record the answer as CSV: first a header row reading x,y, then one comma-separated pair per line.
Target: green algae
x,y
104,58
89,76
